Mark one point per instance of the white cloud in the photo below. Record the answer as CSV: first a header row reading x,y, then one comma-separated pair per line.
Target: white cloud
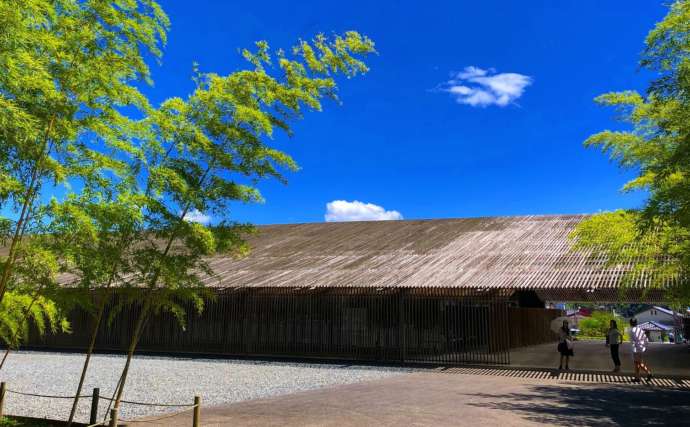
x,y
342,210
480,88
470,72
197,216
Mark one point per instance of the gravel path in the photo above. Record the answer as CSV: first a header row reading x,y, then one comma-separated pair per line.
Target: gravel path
x,y
163,380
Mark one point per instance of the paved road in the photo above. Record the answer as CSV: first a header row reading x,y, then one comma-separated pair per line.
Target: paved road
x,y
668,359
446,399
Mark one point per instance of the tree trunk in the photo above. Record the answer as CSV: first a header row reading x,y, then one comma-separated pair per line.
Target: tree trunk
x,y
27,205
7,353
89,352
147,304
16,238
130,352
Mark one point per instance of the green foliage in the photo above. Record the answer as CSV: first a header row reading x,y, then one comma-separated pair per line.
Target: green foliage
x,y
209,150
67,67
25,422
205,152
597,325
19,311
655,239
9,422
69,70
32,299
93,232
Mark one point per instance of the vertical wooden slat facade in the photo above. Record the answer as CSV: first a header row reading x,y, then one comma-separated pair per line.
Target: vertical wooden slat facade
x,y
427,291
389,325
531,326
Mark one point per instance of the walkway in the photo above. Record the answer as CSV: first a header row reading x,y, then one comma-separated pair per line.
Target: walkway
x,y
460,397
666,359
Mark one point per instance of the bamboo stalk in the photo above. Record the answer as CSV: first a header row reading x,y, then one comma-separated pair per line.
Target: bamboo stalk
x,y
2,398
113,418
89,352
147,302
141,320
20,228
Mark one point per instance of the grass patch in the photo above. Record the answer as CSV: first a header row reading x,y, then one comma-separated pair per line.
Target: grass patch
x,y
589,338
25,422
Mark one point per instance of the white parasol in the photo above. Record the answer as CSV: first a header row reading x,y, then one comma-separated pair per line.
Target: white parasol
x,y
557,323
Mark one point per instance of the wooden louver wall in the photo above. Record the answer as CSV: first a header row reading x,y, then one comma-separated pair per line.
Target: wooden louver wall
x,y
386,326
531,326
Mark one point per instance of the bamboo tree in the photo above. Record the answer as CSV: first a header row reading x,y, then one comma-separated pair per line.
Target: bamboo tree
x,y
652,241
20,311
66,69
89,352
32,300
92,232
208,151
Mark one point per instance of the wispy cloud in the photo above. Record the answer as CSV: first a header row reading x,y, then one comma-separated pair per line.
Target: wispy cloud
x,y
481,88
197,216
342,210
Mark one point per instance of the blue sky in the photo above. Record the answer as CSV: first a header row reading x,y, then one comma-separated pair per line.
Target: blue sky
x,y
401,140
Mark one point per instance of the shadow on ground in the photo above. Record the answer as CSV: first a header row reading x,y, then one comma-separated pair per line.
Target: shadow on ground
x,y
665,359
594,405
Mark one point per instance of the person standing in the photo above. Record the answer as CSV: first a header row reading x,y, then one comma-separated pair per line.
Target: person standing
x,y
613,340
565,345
639,341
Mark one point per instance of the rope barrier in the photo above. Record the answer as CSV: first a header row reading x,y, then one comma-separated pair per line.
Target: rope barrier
x,y
158,404
130,402
190,407
103,423
44,395
160,418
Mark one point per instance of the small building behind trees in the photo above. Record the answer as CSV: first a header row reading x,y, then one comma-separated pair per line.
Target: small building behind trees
x,y
660,323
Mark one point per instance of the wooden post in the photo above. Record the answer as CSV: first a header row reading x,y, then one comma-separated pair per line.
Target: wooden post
x,y
94,405
113,418
197,411
2,397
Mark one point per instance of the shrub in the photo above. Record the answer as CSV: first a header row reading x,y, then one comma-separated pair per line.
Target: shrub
x,y
598,324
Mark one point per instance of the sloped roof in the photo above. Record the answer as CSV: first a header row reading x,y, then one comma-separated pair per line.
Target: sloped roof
x,y
666,310
654,326
522,252
579,312
660,309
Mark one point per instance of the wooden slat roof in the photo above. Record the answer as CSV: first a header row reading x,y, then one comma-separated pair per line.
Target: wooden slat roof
x,y
523,252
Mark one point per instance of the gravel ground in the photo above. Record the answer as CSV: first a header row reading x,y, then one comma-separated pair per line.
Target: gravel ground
x,y
163,380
